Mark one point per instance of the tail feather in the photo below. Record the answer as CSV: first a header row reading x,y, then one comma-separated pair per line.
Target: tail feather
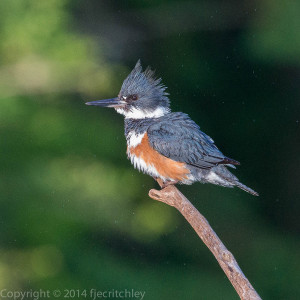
x,y
246,189
233,180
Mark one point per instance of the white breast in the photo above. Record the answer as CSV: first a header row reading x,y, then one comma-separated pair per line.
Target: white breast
x,y
140,164
133,140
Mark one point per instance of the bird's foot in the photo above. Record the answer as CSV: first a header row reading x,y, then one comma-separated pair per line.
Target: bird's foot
x,y
168,183
164,184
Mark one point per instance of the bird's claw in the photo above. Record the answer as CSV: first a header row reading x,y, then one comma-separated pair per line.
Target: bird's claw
x,y
164,184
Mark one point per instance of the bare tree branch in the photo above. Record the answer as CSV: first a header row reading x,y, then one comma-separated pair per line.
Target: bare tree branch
x,y
173,197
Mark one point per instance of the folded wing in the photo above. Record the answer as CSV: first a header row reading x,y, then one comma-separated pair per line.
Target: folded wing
x,y
177,137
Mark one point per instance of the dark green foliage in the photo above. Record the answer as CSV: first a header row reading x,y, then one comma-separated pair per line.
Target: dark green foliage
x,y
73,211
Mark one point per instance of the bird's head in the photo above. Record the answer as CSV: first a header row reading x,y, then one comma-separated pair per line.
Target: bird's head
x,y
141,96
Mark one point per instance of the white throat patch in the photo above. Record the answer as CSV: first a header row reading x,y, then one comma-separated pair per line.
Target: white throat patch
x,y
140,114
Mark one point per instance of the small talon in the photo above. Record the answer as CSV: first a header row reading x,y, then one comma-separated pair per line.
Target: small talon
x,y
168,183
164,184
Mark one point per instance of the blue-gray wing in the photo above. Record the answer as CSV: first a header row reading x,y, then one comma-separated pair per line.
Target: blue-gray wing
x,y
177,137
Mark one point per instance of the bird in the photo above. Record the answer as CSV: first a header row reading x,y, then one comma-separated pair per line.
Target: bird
x,y
169,146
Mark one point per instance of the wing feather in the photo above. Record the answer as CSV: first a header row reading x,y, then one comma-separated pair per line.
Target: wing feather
x,y
177,137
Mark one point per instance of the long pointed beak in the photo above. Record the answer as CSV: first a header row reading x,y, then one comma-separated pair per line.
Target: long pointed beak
x,y
113,102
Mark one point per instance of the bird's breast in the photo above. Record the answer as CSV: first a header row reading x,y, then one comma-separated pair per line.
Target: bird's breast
x,y
148,160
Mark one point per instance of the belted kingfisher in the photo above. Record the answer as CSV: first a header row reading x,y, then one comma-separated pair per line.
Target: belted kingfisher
x,y
164,144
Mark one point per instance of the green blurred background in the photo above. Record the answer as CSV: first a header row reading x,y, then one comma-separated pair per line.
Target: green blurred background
x,y
73,211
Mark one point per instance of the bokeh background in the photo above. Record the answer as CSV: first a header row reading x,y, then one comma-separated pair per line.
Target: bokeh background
x,y
74,213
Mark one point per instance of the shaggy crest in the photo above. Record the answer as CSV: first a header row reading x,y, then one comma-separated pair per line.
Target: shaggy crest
x,y
145,85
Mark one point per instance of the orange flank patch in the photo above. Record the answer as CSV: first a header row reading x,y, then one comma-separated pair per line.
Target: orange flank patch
x,y
166,167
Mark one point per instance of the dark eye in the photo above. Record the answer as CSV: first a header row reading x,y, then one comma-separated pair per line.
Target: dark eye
x,y
134,97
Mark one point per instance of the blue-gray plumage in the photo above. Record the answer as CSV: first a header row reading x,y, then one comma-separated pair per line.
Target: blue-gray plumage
x,y
167,145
